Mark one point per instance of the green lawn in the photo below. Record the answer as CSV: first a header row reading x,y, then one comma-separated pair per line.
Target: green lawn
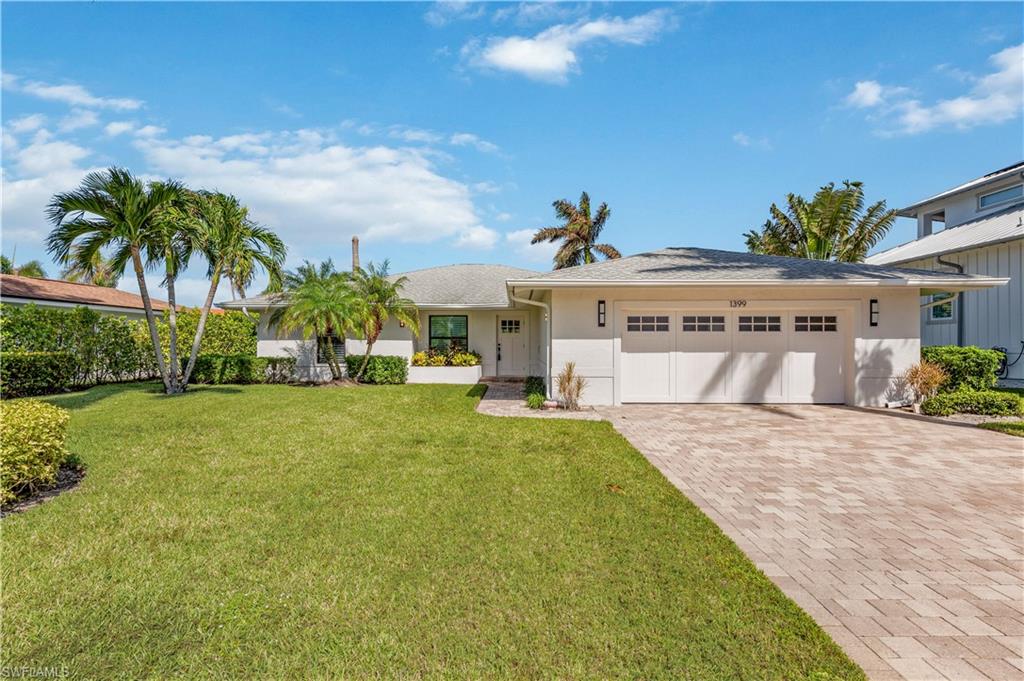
x,y
379,531
1008,427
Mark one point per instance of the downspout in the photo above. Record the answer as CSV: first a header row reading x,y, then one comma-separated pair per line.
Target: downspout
x,y
959,301
547,309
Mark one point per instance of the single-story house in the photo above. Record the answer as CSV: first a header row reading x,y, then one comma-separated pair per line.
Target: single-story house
x,y
975,228
16,290
674,325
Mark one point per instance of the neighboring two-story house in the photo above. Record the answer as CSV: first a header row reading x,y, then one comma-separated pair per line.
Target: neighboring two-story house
x,y
976,228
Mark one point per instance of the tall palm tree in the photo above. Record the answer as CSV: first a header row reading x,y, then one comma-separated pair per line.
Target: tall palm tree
x,y
33,268
832,226
578,234
319,303
380,298
95,270
232,244
112,209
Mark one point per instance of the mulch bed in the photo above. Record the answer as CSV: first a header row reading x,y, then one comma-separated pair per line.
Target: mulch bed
x,y
68,478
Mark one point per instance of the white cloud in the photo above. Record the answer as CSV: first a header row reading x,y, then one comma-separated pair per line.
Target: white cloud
x,y
503,217
519,242
116,128
478,237
78,118
150,131
551,55
541,12
461,139
416,135
993,98
27,123
744,140
443,13
317,191
74,95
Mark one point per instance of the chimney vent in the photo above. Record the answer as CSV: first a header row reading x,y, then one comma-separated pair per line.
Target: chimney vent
x,y
355,253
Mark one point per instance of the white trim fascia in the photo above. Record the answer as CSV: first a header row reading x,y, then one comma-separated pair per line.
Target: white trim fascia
x,y
974,282
13,300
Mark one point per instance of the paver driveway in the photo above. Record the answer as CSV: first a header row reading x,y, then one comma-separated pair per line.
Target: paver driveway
x,y
902,538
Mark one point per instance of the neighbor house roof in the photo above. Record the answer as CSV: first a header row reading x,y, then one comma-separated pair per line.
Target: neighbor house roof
x,y
27,289
994,176
995,228
703,266
457,286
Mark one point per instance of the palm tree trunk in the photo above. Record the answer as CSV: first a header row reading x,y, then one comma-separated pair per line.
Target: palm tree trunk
x,y
200,327
172,326
147,304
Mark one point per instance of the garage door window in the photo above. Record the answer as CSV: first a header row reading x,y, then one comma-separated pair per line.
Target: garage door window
x,y
646,323
814,323
704,323
766,324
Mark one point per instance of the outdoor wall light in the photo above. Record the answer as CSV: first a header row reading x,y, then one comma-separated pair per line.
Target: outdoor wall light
x,y
600,313
874,312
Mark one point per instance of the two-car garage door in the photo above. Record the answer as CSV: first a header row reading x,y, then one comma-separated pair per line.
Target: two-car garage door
x,y
729,356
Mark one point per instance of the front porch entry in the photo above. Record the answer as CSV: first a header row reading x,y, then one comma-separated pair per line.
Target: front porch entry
x,y
512,347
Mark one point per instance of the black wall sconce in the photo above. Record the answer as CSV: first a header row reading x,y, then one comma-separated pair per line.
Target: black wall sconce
x,y
874,312
601,317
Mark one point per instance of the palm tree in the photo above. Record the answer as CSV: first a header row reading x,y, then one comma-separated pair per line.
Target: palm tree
x,y
113,209
831,226
33,268
319,304
95,270
233,245
579,234
380,298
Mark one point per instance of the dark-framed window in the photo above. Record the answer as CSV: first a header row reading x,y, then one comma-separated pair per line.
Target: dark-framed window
x,y
449,332
321,348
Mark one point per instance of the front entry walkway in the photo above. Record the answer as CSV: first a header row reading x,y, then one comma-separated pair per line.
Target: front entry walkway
x,y
902,538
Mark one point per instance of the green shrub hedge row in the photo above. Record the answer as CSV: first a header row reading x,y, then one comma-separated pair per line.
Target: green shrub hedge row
x,y
32,437
971,367
985,402
242,369
23,374
381,369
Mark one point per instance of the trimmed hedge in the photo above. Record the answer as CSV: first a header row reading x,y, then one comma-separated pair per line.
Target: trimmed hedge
x,y
984,402
23,374
969,368
381,369
32,446
242,369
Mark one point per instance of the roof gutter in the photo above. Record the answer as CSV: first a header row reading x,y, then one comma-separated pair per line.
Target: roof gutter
x,y
547,310
959,282
959,301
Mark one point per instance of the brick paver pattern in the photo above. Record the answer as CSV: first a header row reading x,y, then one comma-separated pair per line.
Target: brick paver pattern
x,y
903,538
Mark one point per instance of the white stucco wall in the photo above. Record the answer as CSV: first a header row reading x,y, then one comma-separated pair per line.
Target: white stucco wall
x,y
876,355
396,340
993,317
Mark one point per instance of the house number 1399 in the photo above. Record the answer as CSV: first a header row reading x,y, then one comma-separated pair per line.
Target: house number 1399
x,y
737,303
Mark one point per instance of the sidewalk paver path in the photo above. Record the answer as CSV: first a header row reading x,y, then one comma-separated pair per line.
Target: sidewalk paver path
x,y
902,538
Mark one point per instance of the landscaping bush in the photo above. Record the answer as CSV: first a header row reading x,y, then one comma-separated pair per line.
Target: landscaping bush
x,y
535,400
32,435
381,369
231,333
450,358
984,402
242,369
23,374
971,367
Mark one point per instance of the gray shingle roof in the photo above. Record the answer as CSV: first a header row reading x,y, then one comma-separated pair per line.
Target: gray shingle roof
x,y
1004,225
706,266
449,285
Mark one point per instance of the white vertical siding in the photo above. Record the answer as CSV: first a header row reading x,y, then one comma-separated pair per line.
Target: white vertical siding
x,y
992,317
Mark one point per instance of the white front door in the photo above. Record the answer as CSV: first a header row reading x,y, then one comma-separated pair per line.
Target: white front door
x,y
513,351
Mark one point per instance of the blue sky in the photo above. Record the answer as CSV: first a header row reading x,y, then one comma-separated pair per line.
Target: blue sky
x,y
441,132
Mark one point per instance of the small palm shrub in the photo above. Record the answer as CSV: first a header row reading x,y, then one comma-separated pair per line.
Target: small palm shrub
x,y
925,379
32,435
571,386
